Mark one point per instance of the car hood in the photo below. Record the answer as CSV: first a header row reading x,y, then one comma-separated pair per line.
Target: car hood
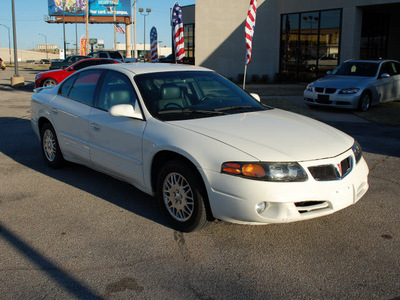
x,y
273,135
55,72
341,81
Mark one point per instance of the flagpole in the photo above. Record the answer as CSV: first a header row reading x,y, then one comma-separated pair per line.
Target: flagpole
x,y
244,78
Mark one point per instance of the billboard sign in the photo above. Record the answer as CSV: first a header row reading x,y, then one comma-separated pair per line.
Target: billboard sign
x,y
96,7
72,7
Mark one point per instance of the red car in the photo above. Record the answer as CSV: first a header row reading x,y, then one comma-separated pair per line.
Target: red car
x,y
54,77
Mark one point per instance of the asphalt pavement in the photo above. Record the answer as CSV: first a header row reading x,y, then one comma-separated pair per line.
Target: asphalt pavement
x,y
73,233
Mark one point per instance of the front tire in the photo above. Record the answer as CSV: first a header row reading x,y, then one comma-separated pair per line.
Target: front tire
x,y
49,82
365,102
50,148
181,197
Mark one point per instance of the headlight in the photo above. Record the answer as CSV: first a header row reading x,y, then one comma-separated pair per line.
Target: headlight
x,y
349,91
38,76
309,88
278,172
357,151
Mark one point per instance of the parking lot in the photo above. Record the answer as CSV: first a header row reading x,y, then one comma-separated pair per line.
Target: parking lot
x,y
75,233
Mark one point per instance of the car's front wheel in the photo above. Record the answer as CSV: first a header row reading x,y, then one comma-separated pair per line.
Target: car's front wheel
x,y
50,148
49,82
365,102
182,197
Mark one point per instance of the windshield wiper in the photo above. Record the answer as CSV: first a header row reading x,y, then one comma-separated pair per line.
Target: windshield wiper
x,y
191,111
238,107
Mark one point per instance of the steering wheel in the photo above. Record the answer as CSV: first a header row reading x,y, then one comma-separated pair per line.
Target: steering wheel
x,y
173,105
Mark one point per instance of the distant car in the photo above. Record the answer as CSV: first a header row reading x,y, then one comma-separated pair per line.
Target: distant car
x,y
130,60
44,61
168,59
204,147
107,54
356,84
53,77
66,62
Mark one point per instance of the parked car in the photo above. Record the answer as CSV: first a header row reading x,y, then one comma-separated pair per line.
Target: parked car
x,y
356,84
107,54
66,62
44,61
204,147
54,77
168,59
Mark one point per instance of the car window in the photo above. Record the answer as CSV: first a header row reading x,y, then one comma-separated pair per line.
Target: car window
x,y
66,86
386,68
116,89
188,95
115,55
84,87
394,68
350,68
103,55
95,55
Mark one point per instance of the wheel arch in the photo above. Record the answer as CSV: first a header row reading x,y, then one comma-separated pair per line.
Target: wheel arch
x,y
164,156
42,121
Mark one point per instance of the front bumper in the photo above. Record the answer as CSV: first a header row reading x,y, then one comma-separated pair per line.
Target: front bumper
x,y
235,199
332,99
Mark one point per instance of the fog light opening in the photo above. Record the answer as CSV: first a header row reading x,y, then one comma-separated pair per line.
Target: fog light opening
x,y
261,207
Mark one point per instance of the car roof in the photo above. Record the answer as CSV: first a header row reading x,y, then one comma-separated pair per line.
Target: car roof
x,y
143,68
377,61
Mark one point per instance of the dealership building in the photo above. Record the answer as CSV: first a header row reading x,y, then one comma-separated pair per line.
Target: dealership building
x,y
293,40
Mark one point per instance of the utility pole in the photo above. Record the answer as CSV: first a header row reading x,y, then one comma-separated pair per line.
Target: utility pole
x,y
16,80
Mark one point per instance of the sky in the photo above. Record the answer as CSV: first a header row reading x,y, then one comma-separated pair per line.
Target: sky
x,y
33,30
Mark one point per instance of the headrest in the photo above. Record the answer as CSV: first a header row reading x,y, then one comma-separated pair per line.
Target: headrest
x,y
170,91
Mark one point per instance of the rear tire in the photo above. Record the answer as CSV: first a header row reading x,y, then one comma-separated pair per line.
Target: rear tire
x,y
50,148
181,197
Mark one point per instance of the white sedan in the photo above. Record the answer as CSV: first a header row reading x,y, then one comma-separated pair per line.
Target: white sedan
x,y
205,148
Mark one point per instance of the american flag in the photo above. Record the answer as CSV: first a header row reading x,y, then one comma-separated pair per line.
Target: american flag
x,y
177,28
249,28
153,42
120,29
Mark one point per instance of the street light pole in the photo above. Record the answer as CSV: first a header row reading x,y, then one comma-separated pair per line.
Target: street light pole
x,y
16,80
148,11
9,41
65,46
45,39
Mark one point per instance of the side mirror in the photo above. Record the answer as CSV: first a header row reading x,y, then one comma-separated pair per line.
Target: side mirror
x,y
125,110
385,75
256,96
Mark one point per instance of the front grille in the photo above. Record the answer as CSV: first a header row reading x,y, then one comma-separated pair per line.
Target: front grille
x,y
332,172
330,91
325,90
324,172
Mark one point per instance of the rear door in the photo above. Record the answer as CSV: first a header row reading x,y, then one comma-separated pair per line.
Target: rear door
x,y
70,112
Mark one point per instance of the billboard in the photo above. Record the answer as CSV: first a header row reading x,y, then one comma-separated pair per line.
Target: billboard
x,y
96,7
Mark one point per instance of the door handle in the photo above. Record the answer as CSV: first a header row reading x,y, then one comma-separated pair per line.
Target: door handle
x,y
95,126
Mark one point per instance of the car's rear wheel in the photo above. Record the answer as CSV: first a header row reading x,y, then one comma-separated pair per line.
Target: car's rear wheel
x,y
50,148
365,102
182,197
49,82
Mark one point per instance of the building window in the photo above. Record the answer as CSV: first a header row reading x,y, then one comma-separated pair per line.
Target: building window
x,y
309,44
374,35
188,30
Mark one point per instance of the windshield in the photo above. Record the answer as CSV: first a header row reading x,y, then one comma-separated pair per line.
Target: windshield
x,y
351,68
188,95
